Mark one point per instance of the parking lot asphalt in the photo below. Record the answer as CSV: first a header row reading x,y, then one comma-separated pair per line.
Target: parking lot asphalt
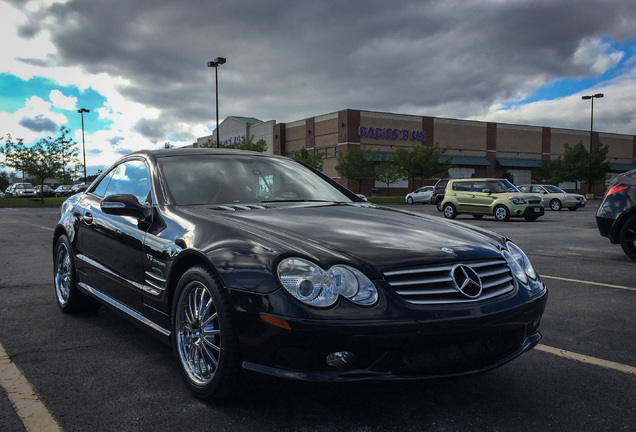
x,y
98,372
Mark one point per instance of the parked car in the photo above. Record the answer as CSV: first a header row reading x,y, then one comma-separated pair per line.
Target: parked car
x,y
554,197
616,215
77,188
423,195
438,193
244,260
497,197
23,190
63,191
47,191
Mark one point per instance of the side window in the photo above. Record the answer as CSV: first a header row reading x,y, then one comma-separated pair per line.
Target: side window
x,y
479,186
101,187
462,186
524,188
130,177
537,189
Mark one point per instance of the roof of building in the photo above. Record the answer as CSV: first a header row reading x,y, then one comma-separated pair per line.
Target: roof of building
x,y
248,120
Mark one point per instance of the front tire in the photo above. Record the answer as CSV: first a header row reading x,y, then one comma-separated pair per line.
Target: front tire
x,y
449,211
409,200
69,298
502,214
203,336
628,238
556,205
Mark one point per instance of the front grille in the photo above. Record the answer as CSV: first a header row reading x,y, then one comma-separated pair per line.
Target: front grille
x,y
434,284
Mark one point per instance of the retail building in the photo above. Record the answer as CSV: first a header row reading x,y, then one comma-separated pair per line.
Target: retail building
x,y
475,149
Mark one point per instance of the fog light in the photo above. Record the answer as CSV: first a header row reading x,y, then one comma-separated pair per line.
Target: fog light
x,y
341,359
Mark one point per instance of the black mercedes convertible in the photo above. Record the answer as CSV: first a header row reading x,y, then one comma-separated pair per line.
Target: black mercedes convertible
x,y
248,261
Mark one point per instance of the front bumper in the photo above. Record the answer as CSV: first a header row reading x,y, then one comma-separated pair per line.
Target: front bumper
x,y
390,349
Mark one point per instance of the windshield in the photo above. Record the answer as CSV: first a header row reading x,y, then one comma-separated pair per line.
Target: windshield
x,y
243,179
500,186
554,189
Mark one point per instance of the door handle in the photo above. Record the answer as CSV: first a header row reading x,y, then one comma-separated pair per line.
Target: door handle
x,y
87,218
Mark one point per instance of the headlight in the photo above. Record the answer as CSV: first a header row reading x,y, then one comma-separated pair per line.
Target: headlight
x,y
315,286
519,263
517,200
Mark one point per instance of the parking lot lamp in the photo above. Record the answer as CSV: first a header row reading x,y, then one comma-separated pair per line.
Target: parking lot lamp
x,y
82,111
215,64
591,98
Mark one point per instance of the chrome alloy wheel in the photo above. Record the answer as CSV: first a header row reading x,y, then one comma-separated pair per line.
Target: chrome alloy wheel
x,y
198,333
63,274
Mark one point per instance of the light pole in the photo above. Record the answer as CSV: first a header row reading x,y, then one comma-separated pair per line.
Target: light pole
x,y
215,64
82,111
591,98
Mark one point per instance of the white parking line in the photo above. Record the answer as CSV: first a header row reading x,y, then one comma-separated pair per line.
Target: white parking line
x,y
586,359
34,414
589,282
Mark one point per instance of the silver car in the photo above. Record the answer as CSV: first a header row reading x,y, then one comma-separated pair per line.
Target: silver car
x,y
555,197
423,195
23,190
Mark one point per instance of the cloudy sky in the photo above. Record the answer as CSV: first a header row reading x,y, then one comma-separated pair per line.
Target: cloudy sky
x,y
139,66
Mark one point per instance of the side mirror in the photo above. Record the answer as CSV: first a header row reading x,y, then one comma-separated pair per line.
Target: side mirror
x,y
124,205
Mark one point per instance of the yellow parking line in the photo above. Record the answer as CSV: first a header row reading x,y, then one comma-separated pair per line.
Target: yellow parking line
x,y
586,359
34,414
589,282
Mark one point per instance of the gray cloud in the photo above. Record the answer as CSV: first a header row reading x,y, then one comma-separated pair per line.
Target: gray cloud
x,y
39,124
291,60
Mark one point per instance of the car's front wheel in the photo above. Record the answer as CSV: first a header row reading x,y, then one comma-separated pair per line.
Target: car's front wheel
x,y
449,211
409,200
69,298
556,205
502,213
203,336
628,238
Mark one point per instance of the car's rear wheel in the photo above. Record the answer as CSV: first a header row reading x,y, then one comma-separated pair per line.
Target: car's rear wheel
x,y
449,211
438,204
502,213
203,336
69,298
628,238
556,205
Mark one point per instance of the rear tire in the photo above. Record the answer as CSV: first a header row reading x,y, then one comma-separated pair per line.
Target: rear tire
x,y
628,238
438,204
449,211
203,336
69,298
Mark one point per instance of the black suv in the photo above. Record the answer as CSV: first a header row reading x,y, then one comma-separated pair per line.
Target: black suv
x,y
616,216
438,193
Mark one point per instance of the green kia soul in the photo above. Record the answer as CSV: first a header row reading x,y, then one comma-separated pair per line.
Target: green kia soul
x,y
497,197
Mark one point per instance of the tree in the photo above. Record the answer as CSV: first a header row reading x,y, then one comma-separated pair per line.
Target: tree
x,y
356,164
388,173
4,181
420,162
313,160
41,160
578,164
247,144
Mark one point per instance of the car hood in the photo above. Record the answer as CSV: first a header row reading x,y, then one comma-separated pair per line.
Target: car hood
x,y
361,233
